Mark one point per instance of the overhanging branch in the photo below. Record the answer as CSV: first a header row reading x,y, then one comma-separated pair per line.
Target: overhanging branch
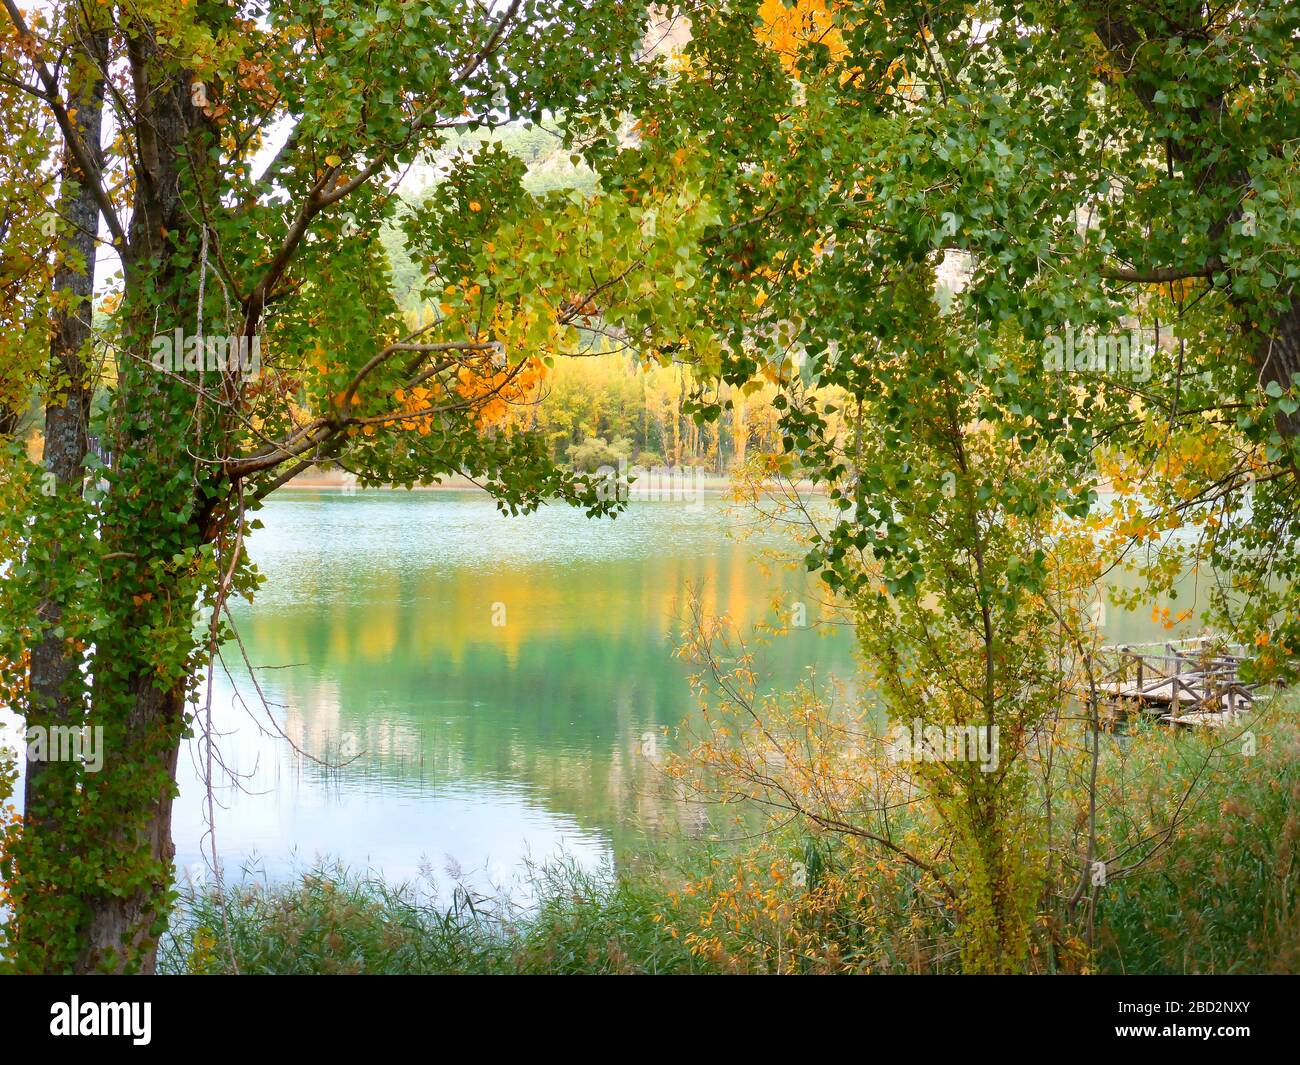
x,y
1161,274
90,170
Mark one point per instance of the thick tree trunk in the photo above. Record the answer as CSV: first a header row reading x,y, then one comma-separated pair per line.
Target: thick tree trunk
x,y
95,868
56,699
131,800
124,930
49,784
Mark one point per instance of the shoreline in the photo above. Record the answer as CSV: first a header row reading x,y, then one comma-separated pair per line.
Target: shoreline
x,y
336,480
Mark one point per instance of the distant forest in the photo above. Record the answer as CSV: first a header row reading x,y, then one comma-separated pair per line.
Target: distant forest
x,y
598,410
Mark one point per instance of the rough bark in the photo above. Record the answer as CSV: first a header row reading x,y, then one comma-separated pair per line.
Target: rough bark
x,y
124,930
1277,358
49,785
148,719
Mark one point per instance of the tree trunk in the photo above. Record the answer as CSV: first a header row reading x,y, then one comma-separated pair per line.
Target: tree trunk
x,y
109,832
1277,357
67,413
124,930
52,786
131,800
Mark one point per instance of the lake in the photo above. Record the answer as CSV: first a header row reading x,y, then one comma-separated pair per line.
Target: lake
x,y
500,684
496,686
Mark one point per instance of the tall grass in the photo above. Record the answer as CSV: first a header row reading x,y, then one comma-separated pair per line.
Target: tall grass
x,y
1225,897
333,921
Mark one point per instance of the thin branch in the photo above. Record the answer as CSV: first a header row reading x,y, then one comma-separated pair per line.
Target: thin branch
x,y
90,171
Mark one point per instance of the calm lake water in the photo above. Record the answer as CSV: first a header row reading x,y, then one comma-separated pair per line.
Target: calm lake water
x,y
492,679
497,679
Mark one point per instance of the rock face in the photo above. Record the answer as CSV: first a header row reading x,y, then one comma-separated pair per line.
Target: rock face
x,y
954,271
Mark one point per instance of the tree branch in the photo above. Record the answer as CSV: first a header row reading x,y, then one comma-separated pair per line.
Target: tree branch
x,y
90,171
1159,275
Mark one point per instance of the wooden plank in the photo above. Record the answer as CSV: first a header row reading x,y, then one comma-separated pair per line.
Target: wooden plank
x,y
1191,682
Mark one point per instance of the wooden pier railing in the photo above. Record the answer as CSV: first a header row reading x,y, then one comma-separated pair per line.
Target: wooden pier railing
x,y
1190,682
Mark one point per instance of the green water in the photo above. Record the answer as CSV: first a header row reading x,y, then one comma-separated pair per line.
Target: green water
x,y
500,684
496,686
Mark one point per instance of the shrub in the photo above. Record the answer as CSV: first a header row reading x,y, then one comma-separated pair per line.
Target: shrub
x,y
596,451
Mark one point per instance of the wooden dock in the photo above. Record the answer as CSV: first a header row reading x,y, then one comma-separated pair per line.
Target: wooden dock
x,y
1189,683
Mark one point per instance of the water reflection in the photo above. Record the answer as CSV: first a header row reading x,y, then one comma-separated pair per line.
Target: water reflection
x,y
500,684
472,744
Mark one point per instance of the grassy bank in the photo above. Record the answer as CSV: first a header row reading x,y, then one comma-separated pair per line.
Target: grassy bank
x,y
335,922
1224,897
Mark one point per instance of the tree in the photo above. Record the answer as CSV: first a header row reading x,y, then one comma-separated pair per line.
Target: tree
x,y
248,160
1088,169
1114,174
